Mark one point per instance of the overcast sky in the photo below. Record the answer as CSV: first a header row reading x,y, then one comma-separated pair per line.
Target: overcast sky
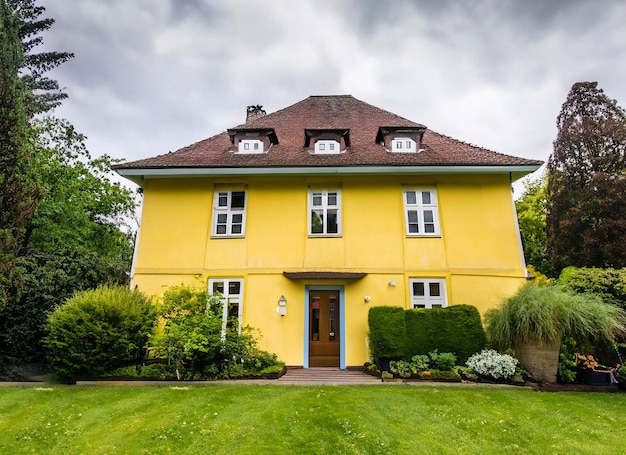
x,y
152,76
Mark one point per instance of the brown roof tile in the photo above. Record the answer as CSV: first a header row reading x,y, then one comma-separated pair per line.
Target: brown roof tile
x,y
328,113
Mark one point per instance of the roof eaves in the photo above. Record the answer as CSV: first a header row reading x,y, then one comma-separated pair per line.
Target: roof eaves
x,y
138,175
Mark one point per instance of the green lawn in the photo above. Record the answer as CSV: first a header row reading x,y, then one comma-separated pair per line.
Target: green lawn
x,y
259,419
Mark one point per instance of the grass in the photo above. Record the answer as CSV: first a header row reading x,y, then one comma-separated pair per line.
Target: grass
x,y
259,419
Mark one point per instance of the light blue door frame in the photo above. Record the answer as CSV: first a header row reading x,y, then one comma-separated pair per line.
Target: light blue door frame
x,y
342,323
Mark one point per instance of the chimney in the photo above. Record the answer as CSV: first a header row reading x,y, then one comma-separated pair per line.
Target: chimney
x,y
253,112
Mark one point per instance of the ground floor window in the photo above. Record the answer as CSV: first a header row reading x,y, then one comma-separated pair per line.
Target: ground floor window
x,y
428,293
231,299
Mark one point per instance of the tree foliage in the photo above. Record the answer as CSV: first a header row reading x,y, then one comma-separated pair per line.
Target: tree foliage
x,y
531,218
63,221
42,93
18,192
78,237
82,207
586,209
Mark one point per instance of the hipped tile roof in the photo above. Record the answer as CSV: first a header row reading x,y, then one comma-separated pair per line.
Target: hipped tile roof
x,y
342,112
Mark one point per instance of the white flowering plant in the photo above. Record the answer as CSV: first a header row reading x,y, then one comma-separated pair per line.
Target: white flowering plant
x,y
492,364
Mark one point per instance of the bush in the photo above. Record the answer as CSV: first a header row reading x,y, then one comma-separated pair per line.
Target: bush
x,y
493,365
387,332
608,284
196,343
443,362
49,280
425,366
98,331
457,329
567,368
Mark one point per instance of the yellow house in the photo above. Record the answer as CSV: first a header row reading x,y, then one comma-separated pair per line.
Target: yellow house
x,y
306,217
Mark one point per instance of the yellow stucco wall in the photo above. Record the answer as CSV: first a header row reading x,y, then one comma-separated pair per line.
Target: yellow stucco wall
x,y
478,252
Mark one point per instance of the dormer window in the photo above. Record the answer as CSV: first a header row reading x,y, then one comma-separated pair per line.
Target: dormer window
x,y
403,145
401,139
326,142
250,146
252,140
326,146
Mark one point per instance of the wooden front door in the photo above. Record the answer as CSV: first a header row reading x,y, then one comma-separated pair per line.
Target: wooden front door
x,y
324,333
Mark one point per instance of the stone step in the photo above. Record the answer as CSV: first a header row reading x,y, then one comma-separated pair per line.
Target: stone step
x,y
321,375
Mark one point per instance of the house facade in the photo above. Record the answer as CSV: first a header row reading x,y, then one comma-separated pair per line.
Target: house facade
x,y
306,217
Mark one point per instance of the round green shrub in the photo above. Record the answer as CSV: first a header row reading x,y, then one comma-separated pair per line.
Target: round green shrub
x,y
98,331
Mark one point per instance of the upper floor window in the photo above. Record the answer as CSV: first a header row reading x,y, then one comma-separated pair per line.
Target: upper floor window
x,y
229,214
250,146
325,212
403,144
421,212
428,293
327,146
230,292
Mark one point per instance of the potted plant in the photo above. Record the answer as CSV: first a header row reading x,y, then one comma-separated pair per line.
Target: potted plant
x,y
533,322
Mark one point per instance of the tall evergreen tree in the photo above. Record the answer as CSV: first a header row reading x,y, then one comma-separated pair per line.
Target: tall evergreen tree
x,y
18,191
42,93
586,208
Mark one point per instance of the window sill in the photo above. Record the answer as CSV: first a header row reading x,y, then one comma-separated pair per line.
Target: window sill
x,y
324,236
423,236
228,237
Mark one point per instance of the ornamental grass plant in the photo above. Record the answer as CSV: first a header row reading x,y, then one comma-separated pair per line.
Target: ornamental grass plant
x,y
545,313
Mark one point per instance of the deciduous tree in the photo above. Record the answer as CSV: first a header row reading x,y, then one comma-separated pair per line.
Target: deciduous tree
x,y
531,217
79,237
586,208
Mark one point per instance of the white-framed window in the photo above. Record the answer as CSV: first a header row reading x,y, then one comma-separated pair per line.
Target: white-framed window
x,y
250,146
403,145
421,212
428,293
229,213
326,147
230,293
325,212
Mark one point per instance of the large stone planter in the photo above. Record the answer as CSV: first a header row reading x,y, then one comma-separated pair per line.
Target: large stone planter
x,y
540,359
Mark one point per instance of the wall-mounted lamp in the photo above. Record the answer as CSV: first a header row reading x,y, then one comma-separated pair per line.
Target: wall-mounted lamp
x,y
367,298
282,306
392,283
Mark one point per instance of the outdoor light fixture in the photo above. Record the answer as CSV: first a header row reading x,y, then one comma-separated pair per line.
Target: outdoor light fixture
x,y
282,306
367,299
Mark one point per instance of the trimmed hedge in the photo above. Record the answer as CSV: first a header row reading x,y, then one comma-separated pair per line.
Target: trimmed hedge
x,y
387,332
457,329
396,333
